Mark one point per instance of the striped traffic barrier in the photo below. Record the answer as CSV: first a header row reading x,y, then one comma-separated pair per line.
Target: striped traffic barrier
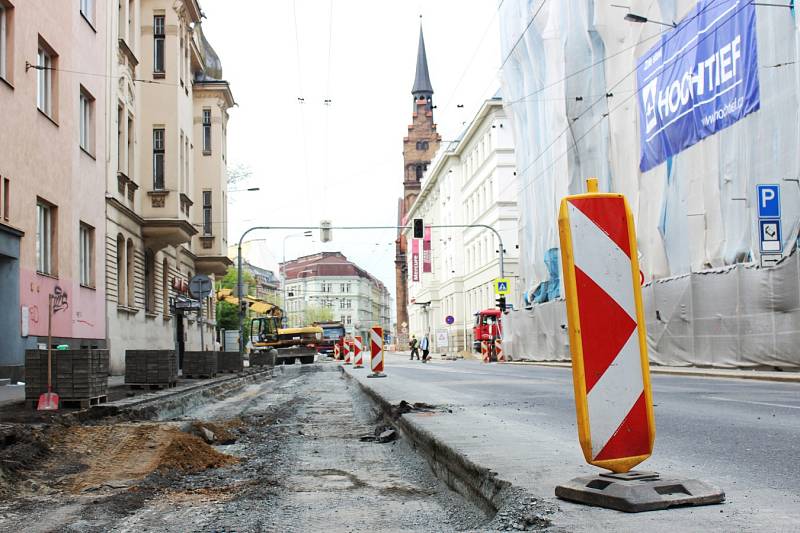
x,y
498,351
336,352
358,360
611,375
376,352
346,351
610,371
485,351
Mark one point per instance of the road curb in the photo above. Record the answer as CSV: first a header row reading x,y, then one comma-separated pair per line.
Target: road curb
x,y
477,484
169,402
756,375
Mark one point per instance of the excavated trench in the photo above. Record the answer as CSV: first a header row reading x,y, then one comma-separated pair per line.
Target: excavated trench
x,y
284,454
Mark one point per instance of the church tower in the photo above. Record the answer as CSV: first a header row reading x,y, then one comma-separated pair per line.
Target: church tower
x,y
419,147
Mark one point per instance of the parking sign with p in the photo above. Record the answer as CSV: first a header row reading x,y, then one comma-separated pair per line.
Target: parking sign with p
x,y
769,201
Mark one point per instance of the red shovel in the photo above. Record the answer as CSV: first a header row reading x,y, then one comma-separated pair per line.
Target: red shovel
x,y
48,401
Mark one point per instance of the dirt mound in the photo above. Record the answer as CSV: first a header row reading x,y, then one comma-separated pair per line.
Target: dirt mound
x,y
119,455
189,453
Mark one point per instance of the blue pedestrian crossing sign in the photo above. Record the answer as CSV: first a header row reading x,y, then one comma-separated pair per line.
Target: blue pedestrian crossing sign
x,y
502,286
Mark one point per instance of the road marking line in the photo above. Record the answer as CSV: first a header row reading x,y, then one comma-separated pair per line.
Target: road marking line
x,y
752,402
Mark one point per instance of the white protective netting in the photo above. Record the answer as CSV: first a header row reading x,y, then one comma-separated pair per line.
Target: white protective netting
x,y
569,80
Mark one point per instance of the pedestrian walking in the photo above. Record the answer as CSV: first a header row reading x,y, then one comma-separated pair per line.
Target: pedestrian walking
x,y
414,347
424,345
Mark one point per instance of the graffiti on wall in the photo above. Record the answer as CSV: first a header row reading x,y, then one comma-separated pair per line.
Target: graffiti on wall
x,y
60,300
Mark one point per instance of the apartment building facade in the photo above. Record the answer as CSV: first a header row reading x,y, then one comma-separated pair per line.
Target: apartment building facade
x,y
52,219
472,181
166,176
329,280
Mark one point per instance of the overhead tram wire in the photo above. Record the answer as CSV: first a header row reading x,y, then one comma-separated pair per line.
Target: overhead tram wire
x,y
301,101
328,103
574,145
599,62
571,121
29,66
474,55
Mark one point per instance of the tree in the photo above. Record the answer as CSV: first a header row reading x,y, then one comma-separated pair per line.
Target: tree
x,y
230,280
238,173
318,314
227,316
227,313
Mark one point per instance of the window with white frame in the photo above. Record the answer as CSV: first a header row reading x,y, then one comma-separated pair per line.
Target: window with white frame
x,y
207,213
86,120
44,238
159,45
158,159
206,131
87,9
86,249
44,82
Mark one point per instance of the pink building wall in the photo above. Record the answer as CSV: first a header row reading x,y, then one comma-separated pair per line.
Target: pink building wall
x,y
42,158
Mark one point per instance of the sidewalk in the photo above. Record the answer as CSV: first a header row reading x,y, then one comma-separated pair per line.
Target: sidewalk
x,y
733,373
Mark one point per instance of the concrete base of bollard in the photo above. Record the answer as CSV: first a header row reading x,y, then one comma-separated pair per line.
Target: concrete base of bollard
x,y
638,491
358,366
377,375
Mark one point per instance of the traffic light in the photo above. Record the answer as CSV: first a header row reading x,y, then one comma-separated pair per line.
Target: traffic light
x,y
501,303
419,229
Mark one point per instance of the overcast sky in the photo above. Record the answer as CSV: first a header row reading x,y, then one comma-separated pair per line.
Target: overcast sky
x,y
344,161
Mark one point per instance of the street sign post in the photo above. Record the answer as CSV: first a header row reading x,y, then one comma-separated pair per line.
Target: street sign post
x,y
376,352
200,286
769,201
502,286
610,370
770,236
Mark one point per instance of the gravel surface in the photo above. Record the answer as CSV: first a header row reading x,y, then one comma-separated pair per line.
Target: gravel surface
x,y
302,467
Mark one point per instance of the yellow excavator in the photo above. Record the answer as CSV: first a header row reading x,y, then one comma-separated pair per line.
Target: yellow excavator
x,y
266,334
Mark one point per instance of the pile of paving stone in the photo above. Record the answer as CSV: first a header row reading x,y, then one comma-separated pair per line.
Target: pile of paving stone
x,y
199,364
151,367
229,362
75,374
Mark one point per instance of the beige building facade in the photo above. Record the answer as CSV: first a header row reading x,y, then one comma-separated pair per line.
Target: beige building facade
x,y
471,182
166,179
52,165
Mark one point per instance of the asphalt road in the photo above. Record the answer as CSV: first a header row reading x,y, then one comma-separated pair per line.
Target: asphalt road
x,y
519,420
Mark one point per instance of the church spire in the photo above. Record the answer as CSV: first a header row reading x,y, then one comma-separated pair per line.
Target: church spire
x,y
422,81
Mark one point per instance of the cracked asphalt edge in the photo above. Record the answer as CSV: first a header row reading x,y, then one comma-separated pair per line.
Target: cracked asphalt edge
x,y
513,508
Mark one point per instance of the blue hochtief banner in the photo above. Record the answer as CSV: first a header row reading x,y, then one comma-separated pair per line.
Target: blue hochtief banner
x,y
700,78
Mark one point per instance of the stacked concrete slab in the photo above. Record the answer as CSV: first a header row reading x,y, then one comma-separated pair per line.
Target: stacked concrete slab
x,y
79,376
151,367
229,362
200,364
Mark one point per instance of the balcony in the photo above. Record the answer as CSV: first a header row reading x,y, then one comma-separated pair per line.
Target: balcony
x,y
212,264
162,232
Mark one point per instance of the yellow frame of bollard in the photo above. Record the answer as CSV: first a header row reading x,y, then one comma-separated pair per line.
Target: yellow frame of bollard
x,y
623,464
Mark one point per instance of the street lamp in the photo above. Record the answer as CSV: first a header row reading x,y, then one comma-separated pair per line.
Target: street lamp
x,y
632,17
306,233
